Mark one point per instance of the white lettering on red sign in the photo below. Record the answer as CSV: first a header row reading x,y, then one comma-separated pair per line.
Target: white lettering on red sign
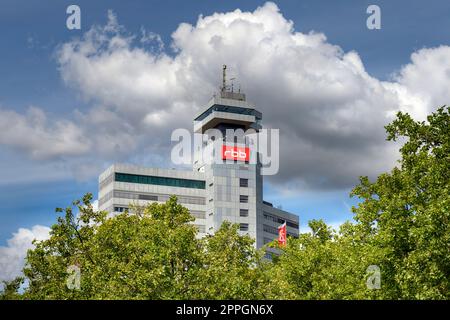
x,y
235,153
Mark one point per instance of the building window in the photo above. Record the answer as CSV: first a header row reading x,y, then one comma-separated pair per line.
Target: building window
x,y
151,197
243,227
274,230
243,212
119,209
106,181
243,183
148,197
270,229
161,181
273,218
243,199
230,109
267,240
198,214
292,224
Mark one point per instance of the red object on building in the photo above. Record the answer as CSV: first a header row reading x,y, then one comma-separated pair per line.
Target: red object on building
x,y
235,153
282,234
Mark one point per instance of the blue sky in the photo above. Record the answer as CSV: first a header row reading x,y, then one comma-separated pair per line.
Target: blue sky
x,y
32,32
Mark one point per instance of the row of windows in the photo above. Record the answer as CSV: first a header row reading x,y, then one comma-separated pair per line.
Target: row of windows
x,y
270,229
242,183
106,181
160,181
102,200
270,217
198,214
243,199
159,197
150,197
274,230
242,212
230,109
195,214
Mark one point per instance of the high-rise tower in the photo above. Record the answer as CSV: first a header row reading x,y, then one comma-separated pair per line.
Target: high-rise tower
x,y
230,189
234,187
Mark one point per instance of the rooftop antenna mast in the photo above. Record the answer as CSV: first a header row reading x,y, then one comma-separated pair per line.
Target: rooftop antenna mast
x,y
224,78
232,84
227,91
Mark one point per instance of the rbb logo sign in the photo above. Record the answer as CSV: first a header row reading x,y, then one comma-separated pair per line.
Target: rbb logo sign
x,y
235,153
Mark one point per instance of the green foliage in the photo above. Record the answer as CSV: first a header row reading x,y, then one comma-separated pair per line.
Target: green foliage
x,y
152,254
323,264
406,212
230,264
11,288
401,226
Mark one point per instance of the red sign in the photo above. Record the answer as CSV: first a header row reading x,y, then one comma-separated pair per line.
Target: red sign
x,y
235,153
282,234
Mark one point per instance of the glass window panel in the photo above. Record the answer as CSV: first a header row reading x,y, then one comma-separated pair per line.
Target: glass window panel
x,y
164,181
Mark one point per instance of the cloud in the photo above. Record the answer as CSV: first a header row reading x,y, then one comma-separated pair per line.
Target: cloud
x,y
331,113
12,256
41,138
425,81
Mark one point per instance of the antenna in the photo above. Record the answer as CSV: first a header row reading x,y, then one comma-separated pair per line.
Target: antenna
x,y
232,84
224,77
227,91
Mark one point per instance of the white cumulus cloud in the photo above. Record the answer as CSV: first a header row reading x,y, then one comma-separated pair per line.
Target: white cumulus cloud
x,y
41,138
12,256
331,113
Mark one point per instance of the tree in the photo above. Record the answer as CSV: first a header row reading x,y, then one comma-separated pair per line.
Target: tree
x,y
230,266
406,212
322,264
152,254
47,265
402,227
11,288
